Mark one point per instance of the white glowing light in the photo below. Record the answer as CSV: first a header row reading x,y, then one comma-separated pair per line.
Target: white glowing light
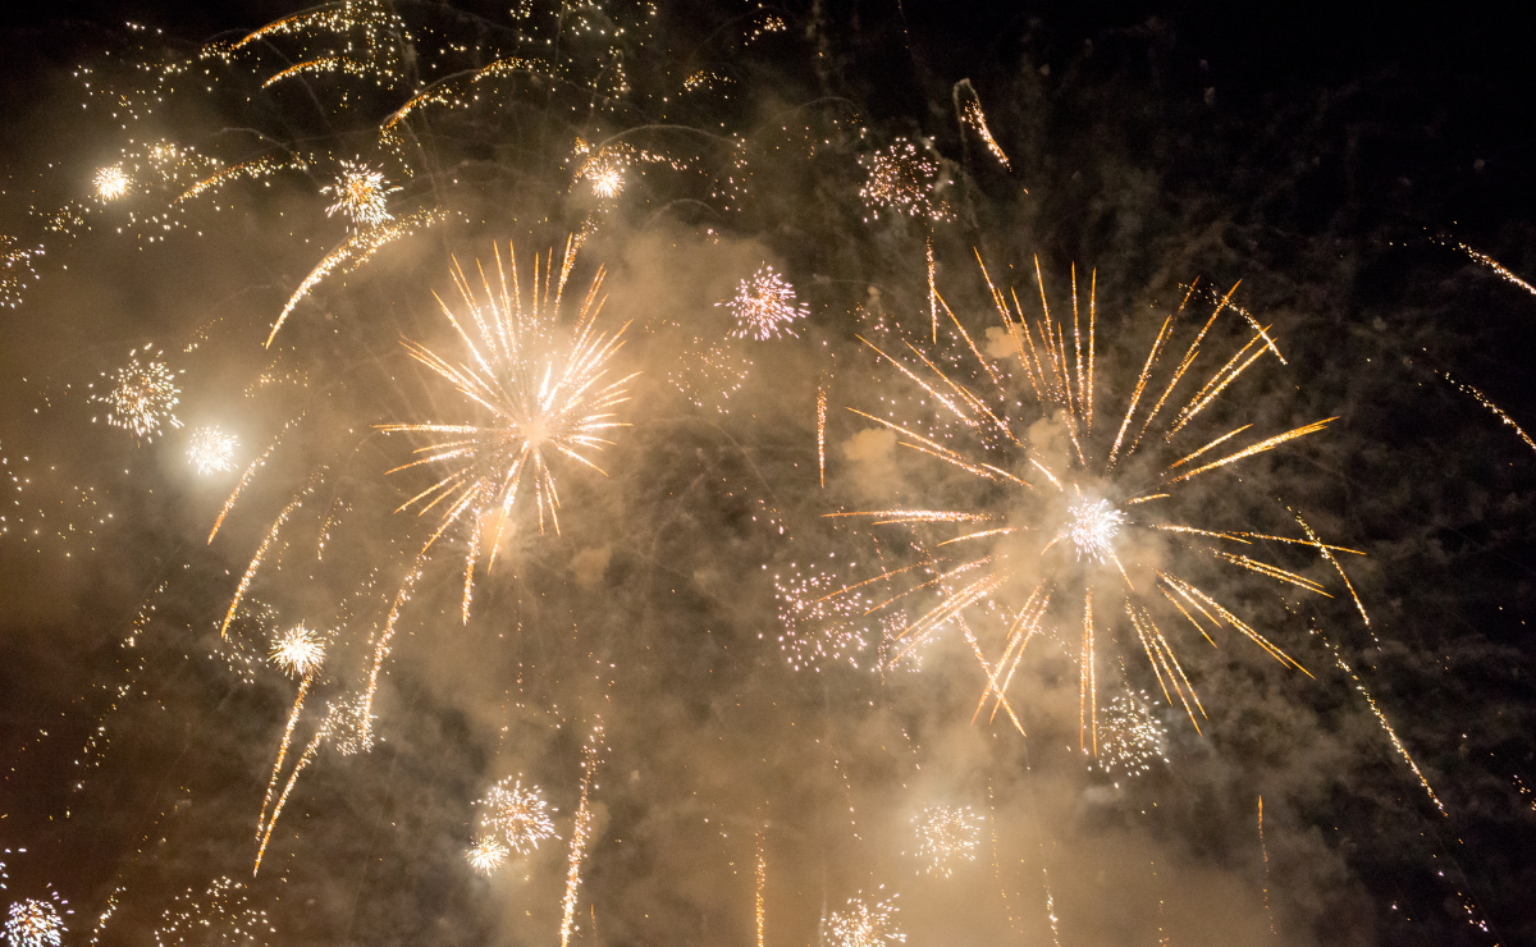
x,y
1095,524
212,450
111,183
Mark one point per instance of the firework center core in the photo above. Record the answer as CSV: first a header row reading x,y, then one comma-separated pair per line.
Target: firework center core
x,y
1092,527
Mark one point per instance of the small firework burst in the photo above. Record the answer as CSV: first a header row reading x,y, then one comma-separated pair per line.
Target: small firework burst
x,y
764,306
111,182
863,924
902,180
212,450
1130,736
349,725
520,816
34,923
299,651
1094,525
487,854
945,837
142,398
362,194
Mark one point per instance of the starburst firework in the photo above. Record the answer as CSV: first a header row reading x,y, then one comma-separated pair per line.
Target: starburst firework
x,y
33,923
486,855
299,651
520,816
1130,735
863,924
212,450
547,393
945,837
111,182
362,194
142,398
999,567
765,306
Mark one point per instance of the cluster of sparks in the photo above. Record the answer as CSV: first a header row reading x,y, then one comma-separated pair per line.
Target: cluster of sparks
x,y
221,917
519,816
864,923
901,179
299,651
1131,737
34,923
547,392
765,306
362,194
946,837
212,450
112,182
581,833
142,397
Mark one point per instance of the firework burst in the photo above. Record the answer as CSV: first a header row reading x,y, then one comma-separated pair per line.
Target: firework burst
x,y
362,194
486,855
863,924
299,651
946,837
520,816
1131,737
111,183
547,393
765,306
212,450
1076,528
142,398
34,923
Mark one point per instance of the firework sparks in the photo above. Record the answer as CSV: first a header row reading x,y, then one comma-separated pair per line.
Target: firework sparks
x,y
547,392
34,923
362,194
581,833
1083,502
112,182
863,924
968,105
142,398
902,180
1130,736
946,837
765,307
212,450
520,816
1503,272
222,916
486,855
299,651
1498,412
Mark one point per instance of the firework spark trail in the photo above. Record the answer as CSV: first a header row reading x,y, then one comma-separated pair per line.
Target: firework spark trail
x,y
1326,552
442,92
549,396
1061,378
261,553
381,649
249,475
1381,718
1492,264
1264,849
821,435
355,251
581,832
282,751
968,109
320,66
254,168
1498,411
761,880
304,760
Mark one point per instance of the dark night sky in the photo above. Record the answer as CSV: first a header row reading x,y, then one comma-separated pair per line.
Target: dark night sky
x,y
1330,157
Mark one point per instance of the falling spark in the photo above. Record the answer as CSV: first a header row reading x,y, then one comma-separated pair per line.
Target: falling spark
x,y
1381,718
261,553
1264,849
945,837
968,104
546,390
142,398
1496,266
112,182
1131,736
1498,411
212,450
821,435
761,880
362,194
902,180
487,854
765,307
581,832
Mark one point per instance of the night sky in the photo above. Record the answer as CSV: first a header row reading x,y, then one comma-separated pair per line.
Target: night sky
x,y
689,668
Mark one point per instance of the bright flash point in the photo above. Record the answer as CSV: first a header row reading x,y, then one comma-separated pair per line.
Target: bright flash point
x,y
33,923
1094,526
486,855
111,182
212,450
299,650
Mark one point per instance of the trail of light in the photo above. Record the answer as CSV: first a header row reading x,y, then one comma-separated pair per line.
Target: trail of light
x,y
1498,411
1264,849
821,434
581,832
261,552
762,878
282,750
1326,552
1387,726
249,475
381,650
1496,266
1264,445
304,760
